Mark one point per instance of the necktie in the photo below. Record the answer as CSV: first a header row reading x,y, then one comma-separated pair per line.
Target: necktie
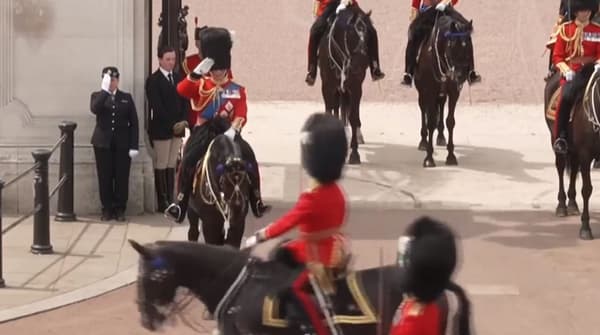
x,y
171,78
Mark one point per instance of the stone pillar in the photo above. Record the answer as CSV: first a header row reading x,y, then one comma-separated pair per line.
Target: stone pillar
x,y
51,56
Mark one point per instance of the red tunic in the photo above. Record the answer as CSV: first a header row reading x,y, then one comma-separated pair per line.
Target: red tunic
x,y
416,4
209,99
188,65
320,6
572,53
319,214
418,320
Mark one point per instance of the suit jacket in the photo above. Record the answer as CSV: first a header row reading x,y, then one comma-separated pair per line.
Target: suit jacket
x,y
166,106
116,120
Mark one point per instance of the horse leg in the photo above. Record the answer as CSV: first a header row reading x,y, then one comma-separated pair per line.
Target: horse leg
x,y
450,122
193,220
441,139
352,110
212,228
236,232
572,208
561,208
423,107
585,232
431,125
361,138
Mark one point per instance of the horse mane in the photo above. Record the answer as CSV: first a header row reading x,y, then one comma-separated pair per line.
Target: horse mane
x,y
211,256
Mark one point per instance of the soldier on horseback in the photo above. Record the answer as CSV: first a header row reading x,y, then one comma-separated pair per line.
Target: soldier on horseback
x,y
221,104
423,19
576,49
427,252
319,213
324,10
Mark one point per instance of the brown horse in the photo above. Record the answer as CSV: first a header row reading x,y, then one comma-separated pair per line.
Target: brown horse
x,y
220,196
343,61
584,147
442,68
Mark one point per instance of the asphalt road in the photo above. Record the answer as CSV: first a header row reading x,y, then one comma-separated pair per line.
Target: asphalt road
x,y
526,273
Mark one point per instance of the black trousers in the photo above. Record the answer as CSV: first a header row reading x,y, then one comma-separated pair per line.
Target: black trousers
x,y
570,92
113,166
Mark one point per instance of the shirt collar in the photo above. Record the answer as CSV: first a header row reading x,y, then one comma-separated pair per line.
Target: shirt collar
x,y
165,72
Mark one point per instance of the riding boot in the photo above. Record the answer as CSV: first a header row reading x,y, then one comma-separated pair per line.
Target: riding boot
x,y
170,184
160,183
376,73
256,204
298,318
410,60
561,144
473,77
313,49
177,210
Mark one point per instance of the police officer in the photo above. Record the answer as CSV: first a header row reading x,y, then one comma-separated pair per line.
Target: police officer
x,y
115,141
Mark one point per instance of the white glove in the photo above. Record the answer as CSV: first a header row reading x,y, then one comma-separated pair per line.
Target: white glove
x,y
569,75
105,83
251,241
204,67
133,153
230,133
340,8
441,6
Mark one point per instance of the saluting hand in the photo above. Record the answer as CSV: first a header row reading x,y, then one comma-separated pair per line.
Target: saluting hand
x,y
204,67
105,83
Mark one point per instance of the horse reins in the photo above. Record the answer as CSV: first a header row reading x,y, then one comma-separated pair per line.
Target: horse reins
x,y
208,195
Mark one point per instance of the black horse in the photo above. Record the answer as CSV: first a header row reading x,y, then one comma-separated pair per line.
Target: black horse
x,y
442,68
343,62
584,147
245,294
220,199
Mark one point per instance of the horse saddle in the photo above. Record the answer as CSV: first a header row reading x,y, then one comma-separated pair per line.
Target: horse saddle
x,y
349,305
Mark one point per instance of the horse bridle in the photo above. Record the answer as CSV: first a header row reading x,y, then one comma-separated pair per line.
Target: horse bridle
x,y
208,194
360,27
442,75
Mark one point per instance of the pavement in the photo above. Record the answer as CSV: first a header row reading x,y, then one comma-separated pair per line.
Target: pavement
x,y
505,166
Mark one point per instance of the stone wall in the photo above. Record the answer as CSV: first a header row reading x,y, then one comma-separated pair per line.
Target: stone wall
x,y
51,56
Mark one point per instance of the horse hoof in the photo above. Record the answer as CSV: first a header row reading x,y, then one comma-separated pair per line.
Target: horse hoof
x,y
573,210
586,235
561,212
423,146
441,141
427,163
354,158
451,161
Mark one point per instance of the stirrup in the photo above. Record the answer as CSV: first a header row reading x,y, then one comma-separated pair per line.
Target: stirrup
x,y
174,212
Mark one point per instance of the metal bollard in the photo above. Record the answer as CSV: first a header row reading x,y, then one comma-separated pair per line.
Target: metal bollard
x,y
65,206
41,202
2,283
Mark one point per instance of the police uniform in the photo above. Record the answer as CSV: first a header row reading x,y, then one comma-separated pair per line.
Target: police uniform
x,y
115,134
319,213
218,105
427,253
423,16
576,51
324,9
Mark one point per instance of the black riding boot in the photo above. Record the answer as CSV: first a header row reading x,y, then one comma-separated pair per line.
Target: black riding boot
x,y
256,204
297,317
177,210
170,184
160,184
410,61
376,73
560,144
316,33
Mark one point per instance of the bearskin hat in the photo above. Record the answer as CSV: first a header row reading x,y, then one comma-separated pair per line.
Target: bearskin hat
x,y
578,5
324,147
216,43
428,254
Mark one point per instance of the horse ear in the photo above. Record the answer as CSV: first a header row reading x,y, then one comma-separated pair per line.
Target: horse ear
x,y
143,251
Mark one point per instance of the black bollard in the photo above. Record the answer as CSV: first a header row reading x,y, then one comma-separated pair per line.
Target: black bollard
x,y
41,202
65,206
2,283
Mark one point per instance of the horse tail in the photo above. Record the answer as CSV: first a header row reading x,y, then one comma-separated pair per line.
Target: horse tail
x,y
464,309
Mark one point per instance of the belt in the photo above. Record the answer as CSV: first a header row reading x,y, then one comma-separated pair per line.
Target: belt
x,y
319,235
